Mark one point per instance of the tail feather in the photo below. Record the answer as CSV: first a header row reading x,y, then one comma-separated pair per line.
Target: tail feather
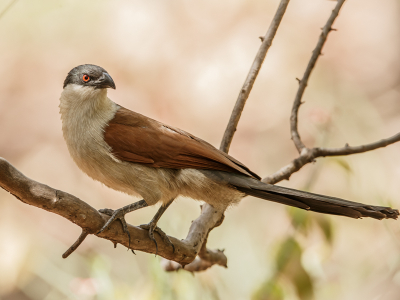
x,y
301,199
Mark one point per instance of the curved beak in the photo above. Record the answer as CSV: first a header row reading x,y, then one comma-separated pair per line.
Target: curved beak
x,y
105,81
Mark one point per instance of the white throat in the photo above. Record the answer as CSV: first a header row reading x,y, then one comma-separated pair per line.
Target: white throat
x,y
82,101
85,112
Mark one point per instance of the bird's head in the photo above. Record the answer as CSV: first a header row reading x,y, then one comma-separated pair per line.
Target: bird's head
x,y
89,76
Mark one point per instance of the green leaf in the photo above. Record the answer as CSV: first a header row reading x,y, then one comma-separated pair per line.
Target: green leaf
x,y
288,251
270,290
343,163
300,219
326,226
288,261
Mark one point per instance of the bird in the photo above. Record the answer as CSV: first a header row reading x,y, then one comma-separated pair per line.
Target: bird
x,y
139,156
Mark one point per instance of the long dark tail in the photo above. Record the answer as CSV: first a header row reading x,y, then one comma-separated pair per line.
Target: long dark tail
x,y
300,199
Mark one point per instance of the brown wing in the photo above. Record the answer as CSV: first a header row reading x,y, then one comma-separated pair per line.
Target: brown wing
x,y
139,139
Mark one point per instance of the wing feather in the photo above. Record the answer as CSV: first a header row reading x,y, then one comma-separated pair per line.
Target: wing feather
x,y
139,139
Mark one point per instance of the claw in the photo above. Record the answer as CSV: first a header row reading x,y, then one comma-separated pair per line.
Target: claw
x,y
151,235
115,214
152,227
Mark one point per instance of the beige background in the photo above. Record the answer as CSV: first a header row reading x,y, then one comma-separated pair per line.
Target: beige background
x,y
183,63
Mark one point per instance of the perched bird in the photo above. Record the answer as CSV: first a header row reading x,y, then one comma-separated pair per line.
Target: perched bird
x,y
139,156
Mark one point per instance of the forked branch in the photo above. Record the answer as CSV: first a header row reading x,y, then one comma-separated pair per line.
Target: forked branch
x,y
309,155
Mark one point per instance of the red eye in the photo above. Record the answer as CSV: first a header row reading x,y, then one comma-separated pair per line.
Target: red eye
x,y
85,78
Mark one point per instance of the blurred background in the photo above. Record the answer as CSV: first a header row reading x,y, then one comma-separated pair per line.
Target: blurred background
x,y
183,63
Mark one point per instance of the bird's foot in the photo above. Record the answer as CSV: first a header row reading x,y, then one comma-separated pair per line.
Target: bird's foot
x,y
152,227
118,214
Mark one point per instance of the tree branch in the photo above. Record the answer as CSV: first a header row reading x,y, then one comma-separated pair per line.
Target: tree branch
x,y
78,242
90,220
347,150
309,155
251,77
206,259
304,81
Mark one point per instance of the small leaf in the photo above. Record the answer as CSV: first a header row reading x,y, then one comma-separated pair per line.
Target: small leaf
x,y
269,290
288,251
288,261
300,219
344,164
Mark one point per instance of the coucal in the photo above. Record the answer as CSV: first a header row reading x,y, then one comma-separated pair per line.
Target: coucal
x,y
134,154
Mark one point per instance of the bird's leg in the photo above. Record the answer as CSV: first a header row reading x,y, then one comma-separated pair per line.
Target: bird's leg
x,y
152,227
120,215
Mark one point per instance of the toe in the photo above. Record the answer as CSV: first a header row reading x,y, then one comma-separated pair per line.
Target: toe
x,y
115,215
165,238
107,211
154,228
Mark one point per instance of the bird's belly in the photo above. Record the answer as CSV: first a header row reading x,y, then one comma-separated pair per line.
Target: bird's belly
x,y
153,184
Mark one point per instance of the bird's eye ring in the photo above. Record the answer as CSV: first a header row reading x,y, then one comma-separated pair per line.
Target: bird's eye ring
x,y
85,77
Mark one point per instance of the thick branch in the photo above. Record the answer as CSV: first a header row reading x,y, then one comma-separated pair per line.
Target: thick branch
x,y
304,81
206,259
197,265
90,220
251,77
309,155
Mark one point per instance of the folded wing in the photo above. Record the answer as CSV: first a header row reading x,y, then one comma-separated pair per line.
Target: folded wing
x,y
139,139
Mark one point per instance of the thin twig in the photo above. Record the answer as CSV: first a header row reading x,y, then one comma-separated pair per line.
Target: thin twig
x,y
309,155
251,77
347,150
304,81
79,241
7,8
